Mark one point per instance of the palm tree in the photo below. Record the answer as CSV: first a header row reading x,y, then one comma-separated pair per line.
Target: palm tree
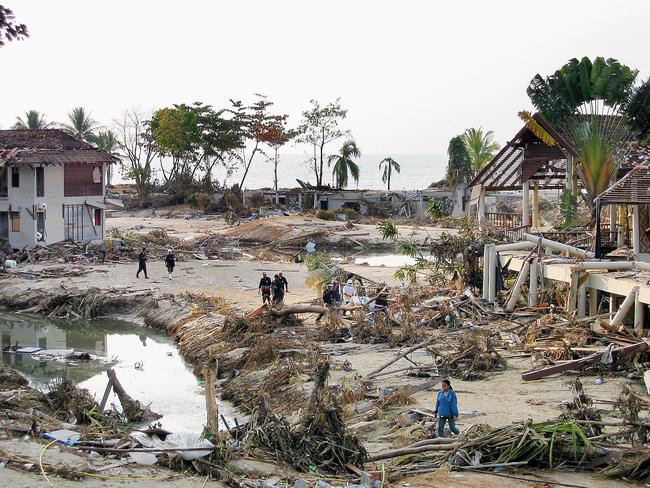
x,y
459,166
389,165
81,124
344,165
33,120
480,146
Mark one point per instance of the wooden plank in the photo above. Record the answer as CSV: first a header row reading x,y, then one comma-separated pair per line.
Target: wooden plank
x,y
578,363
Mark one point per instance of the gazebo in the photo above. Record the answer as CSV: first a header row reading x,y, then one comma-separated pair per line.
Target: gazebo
x,y
530,161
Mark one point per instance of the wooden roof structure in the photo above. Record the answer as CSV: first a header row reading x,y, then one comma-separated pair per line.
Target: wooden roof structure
x,y
48,146
633,188
527,158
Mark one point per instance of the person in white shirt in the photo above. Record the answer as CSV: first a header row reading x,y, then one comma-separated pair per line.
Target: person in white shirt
x,y
349,292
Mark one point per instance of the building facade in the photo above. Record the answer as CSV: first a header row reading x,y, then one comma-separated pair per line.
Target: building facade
x,y
52,188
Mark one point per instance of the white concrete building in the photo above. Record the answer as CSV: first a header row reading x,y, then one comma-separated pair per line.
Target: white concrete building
x,y
52,188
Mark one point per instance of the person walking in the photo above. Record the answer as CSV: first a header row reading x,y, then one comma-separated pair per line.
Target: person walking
x,y
142,263
285,283
265,288
170,262
349,292
277,290
447,409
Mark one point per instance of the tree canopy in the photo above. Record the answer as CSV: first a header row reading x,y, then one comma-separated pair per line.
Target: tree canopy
x,y
80,124
459,165
344,164
33,120
480,146
9,29
389,164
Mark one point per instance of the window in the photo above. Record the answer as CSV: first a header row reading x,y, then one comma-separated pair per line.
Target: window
x,y
15,177
98,216
40,181
15,221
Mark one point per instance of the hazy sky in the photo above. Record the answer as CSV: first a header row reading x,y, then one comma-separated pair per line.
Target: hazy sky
x,y
412,73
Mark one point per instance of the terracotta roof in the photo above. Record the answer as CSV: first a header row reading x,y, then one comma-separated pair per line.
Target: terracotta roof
x,y
47,146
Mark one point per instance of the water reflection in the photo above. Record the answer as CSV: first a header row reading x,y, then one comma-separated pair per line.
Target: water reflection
x,y
146,361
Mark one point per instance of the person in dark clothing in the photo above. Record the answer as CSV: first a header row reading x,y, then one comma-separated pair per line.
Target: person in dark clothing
x,y
336,291
265,288
285,283
170,262
381,302
328,299
142,263
278,290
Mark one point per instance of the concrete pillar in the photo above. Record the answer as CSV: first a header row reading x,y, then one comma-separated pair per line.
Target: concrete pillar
x,y
536,216
492,289
532,285
481,207
582,299
525,204
516,289
635,230
639,309
486,270
593,302
626,306
612,306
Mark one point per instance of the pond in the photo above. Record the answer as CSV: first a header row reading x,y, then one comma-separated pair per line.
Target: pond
x,y
146,362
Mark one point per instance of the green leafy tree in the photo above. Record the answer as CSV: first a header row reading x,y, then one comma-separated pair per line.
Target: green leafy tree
x,y
196,138
319,127
459,165
344,165
638,110
9,29
480,146
587,101
33,120
389,165
80,124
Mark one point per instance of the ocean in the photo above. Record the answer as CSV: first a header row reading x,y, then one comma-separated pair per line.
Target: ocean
x,y
418,172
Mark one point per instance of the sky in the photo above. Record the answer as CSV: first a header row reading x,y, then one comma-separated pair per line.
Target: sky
x,y
412,74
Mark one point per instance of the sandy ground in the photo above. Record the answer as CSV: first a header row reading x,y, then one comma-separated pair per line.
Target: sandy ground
x,y
191,228
499,400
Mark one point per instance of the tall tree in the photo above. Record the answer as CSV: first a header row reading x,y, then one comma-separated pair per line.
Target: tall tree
x,y
258,125
638,110
459,166
480,146
138,148
389,164
319,127
276,135
80,124
33,120
344,164
587,101
9,30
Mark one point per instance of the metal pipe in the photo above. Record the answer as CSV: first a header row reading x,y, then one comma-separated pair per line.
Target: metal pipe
x,y
515,246
625,307
558,246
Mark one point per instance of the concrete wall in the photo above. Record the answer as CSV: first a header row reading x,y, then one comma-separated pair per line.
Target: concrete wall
x,y
24,198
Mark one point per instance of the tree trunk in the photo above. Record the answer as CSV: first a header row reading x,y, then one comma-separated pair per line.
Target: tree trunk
x,y
248,165
322,160
389,172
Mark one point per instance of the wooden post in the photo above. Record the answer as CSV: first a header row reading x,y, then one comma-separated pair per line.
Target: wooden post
x,y
492,289
516,290
568,182
625,307
536,216
612,306
107,392
613,222
532,285
481,207
639,309
525,205
210,376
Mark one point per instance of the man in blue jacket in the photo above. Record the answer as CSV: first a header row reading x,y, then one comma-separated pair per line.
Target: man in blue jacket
x,y
447,409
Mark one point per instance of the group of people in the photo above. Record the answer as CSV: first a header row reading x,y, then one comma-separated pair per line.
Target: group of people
x,y
273,290
170,263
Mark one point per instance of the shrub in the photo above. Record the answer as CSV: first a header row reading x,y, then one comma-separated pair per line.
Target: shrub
x,y
199,201
325,215
350,212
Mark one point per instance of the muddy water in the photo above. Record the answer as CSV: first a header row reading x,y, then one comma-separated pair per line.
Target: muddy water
x,y
146,361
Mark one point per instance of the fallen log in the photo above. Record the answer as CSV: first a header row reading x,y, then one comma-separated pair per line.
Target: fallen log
x,y
414,450
579,363
133,409
408,351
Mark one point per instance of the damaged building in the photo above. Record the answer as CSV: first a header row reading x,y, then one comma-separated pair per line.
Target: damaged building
x,y
52,188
